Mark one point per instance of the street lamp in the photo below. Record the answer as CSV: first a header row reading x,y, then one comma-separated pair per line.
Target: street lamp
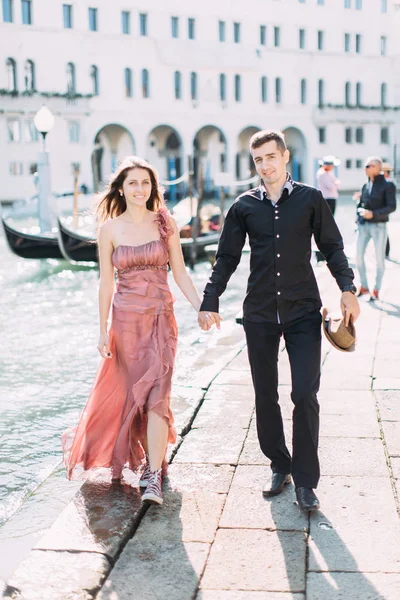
x,y
44,122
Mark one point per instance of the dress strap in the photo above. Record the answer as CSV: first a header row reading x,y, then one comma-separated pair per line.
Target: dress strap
x,y
163,222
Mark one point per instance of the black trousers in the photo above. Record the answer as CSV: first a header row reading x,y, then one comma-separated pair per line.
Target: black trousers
x,y
303,344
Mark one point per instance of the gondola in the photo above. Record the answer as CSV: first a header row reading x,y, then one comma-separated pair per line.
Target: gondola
x,y
76,247
201,242
31,245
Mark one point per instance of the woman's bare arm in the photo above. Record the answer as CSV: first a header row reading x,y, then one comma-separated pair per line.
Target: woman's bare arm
x,y
106,286
179,272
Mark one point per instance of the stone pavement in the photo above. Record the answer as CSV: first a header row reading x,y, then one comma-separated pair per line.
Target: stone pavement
x,y
216,537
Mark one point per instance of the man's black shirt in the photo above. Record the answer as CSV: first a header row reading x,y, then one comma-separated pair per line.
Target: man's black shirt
x,y
281,286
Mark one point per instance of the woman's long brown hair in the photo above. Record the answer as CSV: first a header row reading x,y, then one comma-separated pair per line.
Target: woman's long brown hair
x,y
112,204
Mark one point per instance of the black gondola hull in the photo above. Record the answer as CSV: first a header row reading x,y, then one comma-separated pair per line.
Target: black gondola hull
x,y
28,245
75,246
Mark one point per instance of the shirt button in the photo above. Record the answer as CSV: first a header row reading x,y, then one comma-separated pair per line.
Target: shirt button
x,y
277,235
276,212
279,293
276,217
278,274
278,255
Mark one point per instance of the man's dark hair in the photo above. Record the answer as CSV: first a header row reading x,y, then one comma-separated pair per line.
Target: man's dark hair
x,y
267,135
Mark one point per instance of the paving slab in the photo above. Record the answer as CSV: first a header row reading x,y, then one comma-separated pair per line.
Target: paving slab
x,y
386,349
342,426
199,370
353,586
252,454
347,402
184,403
240,362
214,446
353,511
395,462
99,519
26,527
259,560
388,404
194,496
164,570
340,380
391,432
48,575
385,367
258,512
239,595
352,457
387,383
230,405
227,377
348,364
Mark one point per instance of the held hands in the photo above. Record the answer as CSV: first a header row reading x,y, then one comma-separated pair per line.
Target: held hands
x,y
350,307
104,345
206,319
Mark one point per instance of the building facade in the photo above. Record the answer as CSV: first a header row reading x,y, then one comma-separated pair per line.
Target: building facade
x,y
169,80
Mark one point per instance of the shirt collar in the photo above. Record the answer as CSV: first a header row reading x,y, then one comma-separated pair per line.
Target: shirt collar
x,y
289,184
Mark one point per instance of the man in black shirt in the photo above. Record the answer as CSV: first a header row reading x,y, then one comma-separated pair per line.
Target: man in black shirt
x,y
280,217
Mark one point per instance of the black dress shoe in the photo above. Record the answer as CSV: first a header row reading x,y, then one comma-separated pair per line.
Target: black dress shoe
x,y
278,482
306,499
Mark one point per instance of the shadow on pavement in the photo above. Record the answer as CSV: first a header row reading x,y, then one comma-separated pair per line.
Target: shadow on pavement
x,y
156,562
323,579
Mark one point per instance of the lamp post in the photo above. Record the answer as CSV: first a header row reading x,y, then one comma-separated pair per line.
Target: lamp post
x,y
44,122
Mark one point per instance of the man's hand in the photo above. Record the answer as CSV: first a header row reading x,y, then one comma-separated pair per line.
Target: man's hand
x,y
350,307
365,213
206,319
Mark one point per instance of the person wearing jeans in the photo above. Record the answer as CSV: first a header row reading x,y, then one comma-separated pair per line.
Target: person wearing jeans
x,y
377,201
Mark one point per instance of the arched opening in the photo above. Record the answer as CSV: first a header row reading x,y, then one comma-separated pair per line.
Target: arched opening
x,y
71,78
111,144
347,93
244,162
94,75
164,151
321,93
384,94
128,82
296,144
303,91
358,94
209,156
12,81
29,76
145,83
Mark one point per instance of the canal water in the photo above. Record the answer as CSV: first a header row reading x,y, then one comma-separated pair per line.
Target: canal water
x,y
49,331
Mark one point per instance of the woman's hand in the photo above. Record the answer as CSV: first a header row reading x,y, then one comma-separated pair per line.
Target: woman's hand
x,y
104,345
206,319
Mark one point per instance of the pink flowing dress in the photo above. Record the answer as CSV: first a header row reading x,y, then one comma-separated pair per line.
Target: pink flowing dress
x,y
137,379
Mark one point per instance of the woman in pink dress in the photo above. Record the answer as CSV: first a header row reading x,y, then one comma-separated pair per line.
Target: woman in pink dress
x,y
127,420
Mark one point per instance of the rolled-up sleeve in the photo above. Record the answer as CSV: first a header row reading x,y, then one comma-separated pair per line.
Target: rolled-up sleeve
x,y
228,257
